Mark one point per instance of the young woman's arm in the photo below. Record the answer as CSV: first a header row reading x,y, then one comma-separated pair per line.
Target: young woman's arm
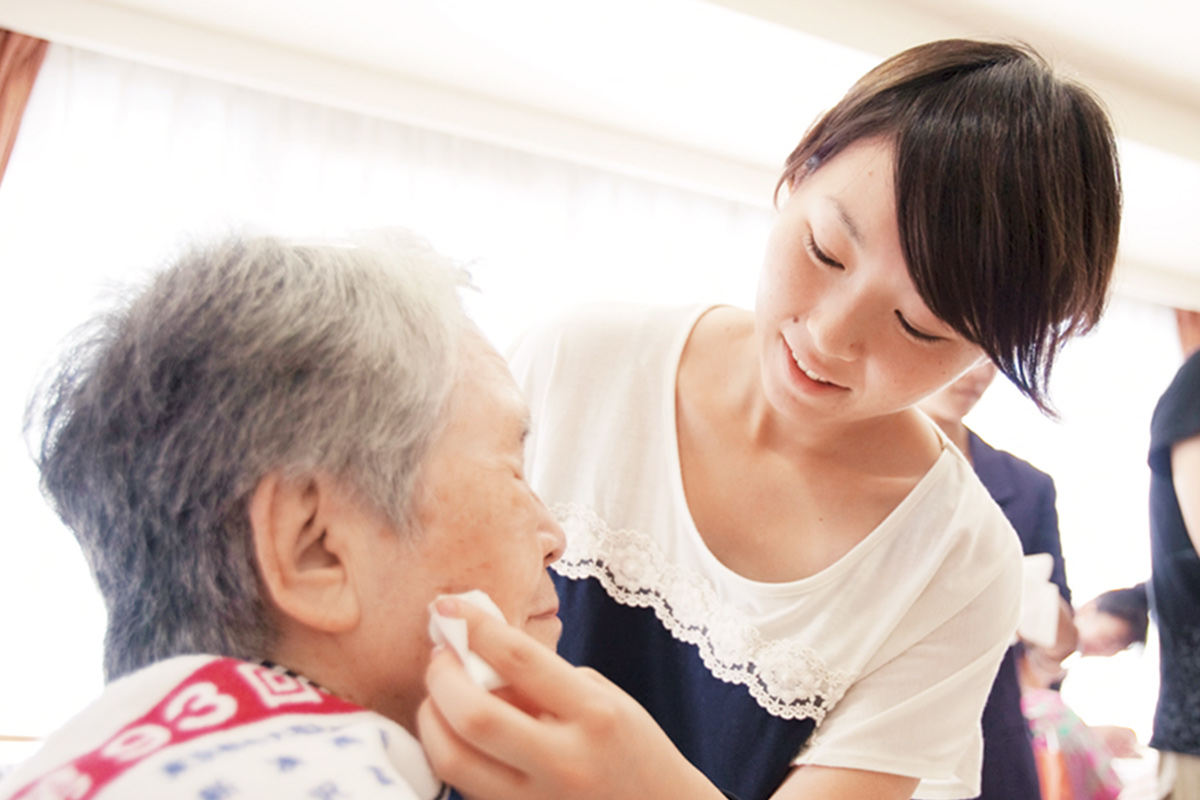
x,y
825,783
558,731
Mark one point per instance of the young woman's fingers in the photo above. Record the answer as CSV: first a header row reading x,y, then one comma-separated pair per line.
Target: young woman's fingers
x,y
568,733
472,772
531,669
516,734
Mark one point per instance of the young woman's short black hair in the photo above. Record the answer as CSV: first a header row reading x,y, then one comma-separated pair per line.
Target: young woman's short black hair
x,y
1008,193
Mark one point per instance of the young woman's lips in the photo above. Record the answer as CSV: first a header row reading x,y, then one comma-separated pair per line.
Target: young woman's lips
x,y
811,374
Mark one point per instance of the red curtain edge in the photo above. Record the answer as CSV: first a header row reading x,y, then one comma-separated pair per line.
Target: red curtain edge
x,y
20,59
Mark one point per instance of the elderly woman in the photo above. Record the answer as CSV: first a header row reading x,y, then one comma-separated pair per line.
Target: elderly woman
x,y
275,458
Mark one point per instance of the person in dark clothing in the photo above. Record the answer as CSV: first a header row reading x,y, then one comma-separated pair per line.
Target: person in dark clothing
x,y
1026,495
1175,568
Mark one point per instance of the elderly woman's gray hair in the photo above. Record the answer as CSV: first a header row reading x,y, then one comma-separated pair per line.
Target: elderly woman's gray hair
x,y
245,356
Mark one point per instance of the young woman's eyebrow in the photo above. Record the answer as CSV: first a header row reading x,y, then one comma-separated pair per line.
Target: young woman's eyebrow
x,y
846,219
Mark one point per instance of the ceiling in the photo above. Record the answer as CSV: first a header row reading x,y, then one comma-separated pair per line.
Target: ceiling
x,y
709,94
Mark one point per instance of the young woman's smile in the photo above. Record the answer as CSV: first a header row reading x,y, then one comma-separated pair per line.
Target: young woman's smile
x,y
840,323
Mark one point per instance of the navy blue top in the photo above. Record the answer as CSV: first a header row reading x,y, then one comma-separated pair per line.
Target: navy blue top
x,y
718,726
1175,570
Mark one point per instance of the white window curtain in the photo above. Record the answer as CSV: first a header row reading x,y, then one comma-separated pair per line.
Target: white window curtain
x,y
117,163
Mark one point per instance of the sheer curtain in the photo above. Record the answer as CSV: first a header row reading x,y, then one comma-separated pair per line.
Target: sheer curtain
x,y
118,163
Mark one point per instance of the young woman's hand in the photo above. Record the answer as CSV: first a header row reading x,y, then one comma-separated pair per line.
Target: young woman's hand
x,y
555,732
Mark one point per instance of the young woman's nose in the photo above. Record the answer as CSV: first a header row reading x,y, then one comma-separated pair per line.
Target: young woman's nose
x,y
835,325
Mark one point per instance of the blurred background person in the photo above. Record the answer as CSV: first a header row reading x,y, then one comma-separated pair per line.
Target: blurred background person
x,y
1026,495
1075,759
1113,621
1175,568
1108,624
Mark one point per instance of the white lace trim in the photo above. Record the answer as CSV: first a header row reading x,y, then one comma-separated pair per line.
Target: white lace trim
x,y
788,680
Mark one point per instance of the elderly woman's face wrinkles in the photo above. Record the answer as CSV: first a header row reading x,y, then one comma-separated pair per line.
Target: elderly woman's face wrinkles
x,y
481,525
478,526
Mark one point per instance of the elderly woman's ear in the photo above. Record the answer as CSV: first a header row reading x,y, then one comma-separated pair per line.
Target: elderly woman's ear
x,y
305,545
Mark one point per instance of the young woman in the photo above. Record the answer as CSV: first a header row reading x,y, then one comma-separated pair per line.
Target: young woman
x,y
769,548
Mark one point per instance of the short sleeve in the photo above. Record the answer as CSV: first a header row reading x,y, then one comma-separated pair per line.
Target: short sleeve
x,y
918,713
1177,415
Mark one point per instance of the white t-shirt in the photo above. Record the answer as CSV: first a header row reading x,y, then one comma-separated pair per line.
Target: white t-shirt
x,y
892,649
